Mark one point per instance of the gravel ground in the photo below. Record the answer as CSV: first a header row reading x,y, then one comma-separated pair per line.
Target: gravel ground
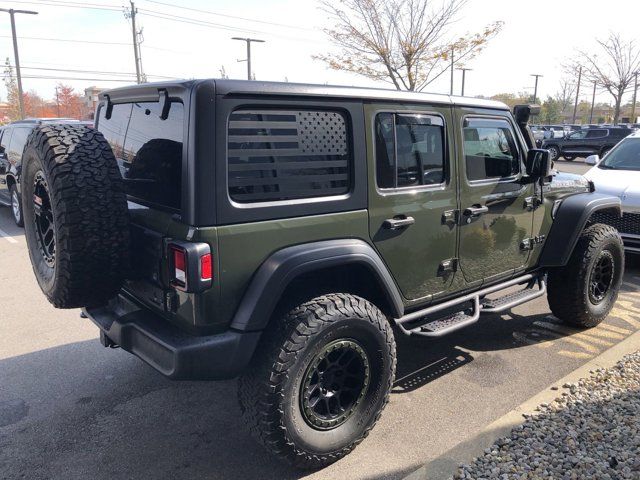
x,y
591,431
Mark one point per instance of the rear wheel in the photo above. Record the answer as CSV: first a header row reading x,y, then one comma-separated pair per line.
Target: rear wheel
x,y
604,151
554,152
16,206
583,292
320,380
75,215
569,158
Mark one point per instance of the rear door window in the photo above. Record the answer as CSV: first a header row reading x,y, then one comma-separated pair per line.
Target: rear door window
x,y
16,145
409,150
148,150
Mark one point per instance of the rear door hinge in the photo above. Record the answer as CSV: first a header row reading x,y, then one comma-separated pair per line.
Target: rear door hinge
x,y
450,217
447,266
531,203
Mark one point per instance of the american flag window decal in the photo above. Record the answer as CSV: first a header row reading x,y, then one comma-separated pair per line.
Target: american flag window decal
x,y
277,155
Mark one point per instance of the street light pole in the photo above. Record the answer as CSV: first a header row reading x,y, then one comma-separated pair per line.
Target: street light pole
x,y
464,71
593,102
12,13
248,59
452,63
635,93
535,89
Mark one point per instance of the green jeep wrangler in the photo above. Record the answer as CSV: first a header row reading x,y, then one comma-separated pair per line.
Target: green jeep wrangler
x,y
286,233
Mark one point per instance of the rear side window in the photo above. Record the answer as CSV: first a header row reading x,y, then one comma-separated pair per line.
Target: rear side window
x,y
281,154
490,150
17,143
148,150
6,137
595,133
409,150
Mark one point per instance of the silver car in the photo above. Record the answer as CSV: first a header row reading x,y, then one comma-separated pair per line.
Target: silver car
x,y
618,173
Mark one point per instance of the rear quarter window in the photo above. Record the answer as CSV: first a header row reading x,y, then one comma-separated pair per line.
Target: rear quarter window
x,y
282,154
148,150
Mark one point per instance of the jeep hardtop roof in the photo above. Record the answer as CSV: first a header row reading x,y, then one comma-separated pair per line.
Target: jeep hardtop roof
x,y
246,87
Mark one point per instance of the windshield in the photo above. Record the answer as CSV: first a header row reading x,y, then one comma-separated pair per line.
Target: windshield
x,y
626,156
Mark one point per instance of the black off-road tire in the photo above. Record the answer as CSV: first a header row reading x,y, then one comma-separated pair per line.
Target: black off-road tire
x,y
569,287
16,206
569,158
271,392
554,152
70,177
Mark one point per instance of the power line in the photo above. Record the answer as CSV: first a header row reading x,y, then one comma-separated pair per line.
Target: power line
x,y
204,23
94,42
229,16
47,77
98,72
90,6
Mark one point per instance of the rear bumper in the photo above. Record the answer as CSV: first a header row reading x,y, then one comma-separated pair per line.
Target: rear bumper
x,y
171,351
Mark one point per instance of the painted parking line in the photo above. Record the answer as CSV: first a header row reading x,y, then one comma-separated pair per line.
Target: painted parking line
x,y
7,237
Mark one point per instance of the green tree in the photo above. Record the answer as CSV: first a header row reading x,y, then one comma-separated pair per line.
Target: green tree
x,y
551,111
11,85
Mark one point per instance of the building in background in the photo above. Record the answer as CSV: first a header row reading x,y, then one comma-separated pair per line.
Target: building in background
x,y
92,98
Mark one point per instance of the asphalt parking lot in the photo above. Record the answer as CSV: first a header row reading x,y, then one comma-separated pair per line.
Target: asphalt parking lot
x,y
70,408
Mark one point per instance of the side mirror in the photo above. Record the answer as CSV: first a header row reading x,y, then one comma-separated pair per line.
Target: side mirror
x,y
592,159
538,164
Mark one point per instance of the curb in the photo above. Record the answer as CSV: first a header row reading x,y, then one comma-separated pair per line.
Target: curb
x,y
444,466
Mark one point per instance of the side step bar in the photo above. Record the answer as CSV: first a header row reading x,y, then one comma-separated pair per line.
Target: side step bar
x,y
422,322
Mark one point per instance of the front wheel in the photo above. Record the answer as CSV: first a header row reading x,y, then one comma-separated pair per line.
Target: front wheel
x,y
582,293
320,379
569,158
554,153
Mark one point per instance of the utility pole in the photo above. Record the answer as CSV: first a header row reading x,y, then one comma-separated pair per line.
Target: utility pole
x,y
464,71
575,105
635,93
535,89
136,52
248,59
593,102
12,13
451,89
57,102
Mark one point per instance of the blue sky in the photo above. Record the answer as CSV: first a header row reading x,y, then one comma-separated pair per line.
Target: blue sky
x,y
536,38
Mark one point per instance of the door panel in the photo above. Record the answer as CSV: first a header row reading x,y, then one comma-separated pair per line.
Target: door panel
x,y
495,214
412,184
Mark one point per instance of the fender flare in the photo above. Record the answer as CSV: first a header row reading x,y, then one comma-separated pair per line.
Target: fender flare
x,y
282,267
570,219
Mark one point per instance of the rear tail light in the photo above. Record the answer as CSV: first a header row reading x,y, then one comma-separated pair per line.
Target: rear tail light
x,y
190,266
205,267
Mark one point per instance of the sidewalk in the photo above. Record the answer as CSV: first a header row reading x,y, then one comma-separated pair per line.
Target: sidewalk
x,y
585,426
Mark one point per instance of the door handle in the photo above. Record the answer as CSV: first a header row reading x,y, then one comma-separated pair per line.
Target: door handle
x,y
475,210
398,223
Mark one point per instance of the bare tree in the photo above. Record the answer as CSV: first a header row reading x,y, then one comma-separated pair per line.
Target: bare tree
x,y
613,68
404,42
565,95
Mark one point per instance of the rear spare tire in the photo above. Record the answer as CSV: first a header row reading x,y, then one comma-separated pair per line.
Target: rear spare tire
x,y
75,215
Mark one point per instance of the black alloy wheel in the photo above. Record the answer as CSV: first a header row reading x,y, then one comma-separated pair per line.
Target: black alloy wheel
x,y
43,219
334,384
602,277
